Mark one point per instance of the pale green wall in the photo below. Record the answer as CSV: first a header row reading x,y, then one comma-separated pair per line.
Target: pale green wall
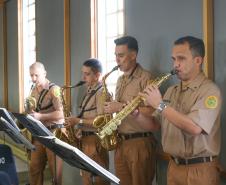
x,y
12,55
220,66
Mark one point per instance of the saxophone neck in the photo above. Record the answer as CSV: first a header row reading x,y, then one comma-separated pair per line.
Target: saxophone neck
x,y
80,83
159,80
106,75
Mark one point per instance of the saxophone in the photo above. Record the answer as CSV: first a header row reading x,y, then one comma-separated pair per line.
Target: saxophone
x,y
110,127
69,137
30,102
110,141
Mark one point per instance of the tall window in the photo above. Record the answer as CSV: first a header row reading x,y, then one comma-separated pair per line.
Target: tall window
x,y
26,46
29,41
107,23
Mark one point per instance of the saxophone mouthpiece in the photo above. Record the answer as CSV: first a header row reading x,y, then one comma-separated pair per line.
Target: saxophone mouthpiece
x,y
173,72
33,86
80,83
115,68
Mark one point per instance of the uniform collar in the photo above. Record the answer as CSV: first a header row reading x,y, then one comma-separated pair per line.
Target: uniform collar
x,y
45,86
194,84
136,73
93,87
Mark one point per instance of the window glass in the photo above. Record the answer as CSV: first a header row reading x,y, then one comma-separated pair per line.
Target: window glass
x,y
107,25
29,41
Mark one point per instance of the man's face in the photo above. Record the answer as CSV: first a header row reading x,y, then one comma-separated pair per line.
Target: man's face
x,y
184,62
38,75
89,76
125,58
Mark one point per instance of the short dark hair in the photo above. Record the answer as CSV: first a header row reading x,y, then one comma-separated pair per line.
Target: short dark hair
x,y
130,41
94,64
196,45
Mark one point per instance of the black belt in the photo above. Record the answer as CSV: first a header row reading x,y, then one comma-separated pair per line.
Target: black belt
x,y
54,126
134,135
88,133
181,161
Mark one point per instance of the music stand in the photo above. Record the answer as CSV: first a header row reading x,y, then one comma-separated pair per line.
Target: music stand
x,y
72,155
9,126
33,125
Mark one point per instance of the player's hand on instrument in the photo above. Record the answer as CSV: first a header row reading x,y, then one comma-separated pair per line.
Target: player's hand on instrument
x,y
71,121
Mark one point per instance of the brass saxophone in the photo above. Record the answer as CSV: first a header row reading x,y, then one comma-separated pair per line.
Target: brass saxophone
x,y
110,127
30,102
70,138
110,141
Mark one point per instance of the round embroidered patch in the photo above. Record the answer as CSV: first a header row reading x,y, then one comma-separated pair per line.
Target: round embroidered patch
x,y
211,102
56,92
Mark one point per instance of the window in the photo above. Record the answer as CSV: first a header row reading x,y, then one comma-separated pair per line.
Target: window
x,y
29,41
107,23
27,45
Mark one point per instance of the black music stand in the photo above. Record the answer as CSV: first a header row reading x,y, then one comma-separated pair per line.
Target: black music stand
x,y
9,126
72,155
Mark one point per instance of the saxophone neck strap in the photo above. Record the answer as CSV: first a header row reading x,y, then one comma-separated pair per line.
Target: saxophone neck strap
x,y
93,92
41,98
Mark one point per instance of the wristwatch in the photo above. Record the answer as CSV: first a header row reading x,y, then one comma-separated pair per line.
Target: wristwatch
x,y
161,107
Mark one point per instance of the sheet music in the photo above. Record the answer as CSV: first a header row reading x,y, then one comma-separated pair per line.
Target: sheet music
x,y
35,127
39,123
68,153
15,134
85,158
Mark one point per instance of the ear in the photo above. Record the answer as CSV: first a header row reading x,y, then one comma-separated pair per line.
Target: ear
x,y
199,60
98,74
133,55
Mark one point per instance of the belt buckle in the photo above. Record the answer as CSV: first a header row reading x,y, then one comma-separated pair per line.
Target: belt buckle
x,y
176,161
122,137
186,161
211,158
204,159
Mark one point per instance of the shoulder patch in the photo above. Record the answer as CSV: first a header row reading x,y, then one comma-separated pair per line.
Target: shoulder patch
x,y
211,102
56,92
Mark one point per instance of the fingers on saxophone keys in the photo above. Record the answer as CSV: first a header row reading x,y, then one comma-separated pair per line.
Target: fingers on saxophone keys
x,y
150,89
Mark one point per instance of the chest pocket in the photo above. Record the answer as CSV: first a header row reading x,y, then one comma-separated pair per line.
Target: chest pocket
x,y
132,90
187,102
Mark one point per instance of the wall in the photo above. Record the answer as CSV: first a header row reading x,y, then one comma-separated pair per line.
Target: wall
x,y
12,55
220,66
50,38
80,43
158,24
